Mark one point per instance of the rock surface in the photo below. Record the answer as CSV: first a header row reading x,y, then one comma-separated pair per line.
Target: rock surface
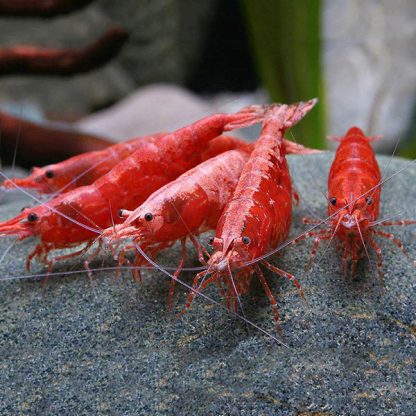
x,y
114,350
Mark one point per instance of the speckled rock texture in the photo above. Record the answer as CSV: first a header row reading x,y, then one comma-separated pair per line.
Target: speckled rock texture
x,y
114,349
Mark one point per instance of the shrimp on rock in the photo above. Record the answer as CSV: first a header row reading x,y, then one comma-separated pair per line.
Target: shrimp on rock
x,y
354,189
257,217
78,216
184,208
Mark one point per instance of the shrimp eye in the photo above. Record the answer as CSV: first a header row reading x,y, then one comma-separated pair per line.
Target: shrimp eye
x,y
369,200
148,216
32,217
246,240
49,173
211,240
121,213
333,201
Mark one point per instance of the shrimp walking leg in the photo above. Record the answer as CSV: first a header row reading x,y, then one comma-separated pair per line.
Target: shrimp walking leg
x,y
272,299
177,273
392,238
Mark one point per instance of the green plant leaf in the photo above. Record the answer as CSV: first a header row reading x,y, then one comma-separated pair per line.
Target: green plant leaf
x,y
285,36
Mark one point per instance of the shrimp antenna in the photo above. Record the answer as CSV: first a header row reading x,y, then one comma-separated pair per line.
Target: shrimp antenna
x,y
399,138
111,216
330,241
93,270
7,250
4,176
362,238
397,214
308,208
114,230
192,237
236,292
207,271
139,249
49,187
100,229
390,158
80,175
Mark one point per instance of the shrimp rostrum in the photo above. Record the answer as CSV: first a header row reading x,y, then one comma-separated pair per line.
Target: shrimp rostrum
x,y
257,217
354,189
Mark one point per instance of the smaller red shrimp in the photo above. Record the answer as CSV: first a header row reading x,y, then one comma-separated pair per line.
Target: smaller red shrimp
x,y
257,217
354,189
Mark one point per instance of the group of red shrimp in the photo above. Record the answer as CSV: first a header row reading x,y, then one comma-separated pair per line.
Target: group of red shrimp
x,y
145,194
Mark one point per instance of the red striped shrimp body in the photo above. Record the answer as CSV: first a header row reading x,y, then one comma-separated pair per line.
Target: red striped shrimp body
x,y
79,170
185,207
354,189
79,215
258,216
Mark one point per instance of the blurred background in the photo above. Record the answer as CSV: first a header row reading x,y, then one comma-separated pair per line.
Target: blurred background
x,y
141,66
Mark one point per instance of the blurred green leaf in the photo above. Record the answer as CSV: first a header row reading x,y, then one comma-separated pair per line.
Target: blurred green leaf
x,y
285,35
409,148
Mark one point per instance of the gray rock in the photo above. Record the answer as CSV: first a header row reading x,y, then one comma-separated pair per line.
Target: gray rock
x,y
114,349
